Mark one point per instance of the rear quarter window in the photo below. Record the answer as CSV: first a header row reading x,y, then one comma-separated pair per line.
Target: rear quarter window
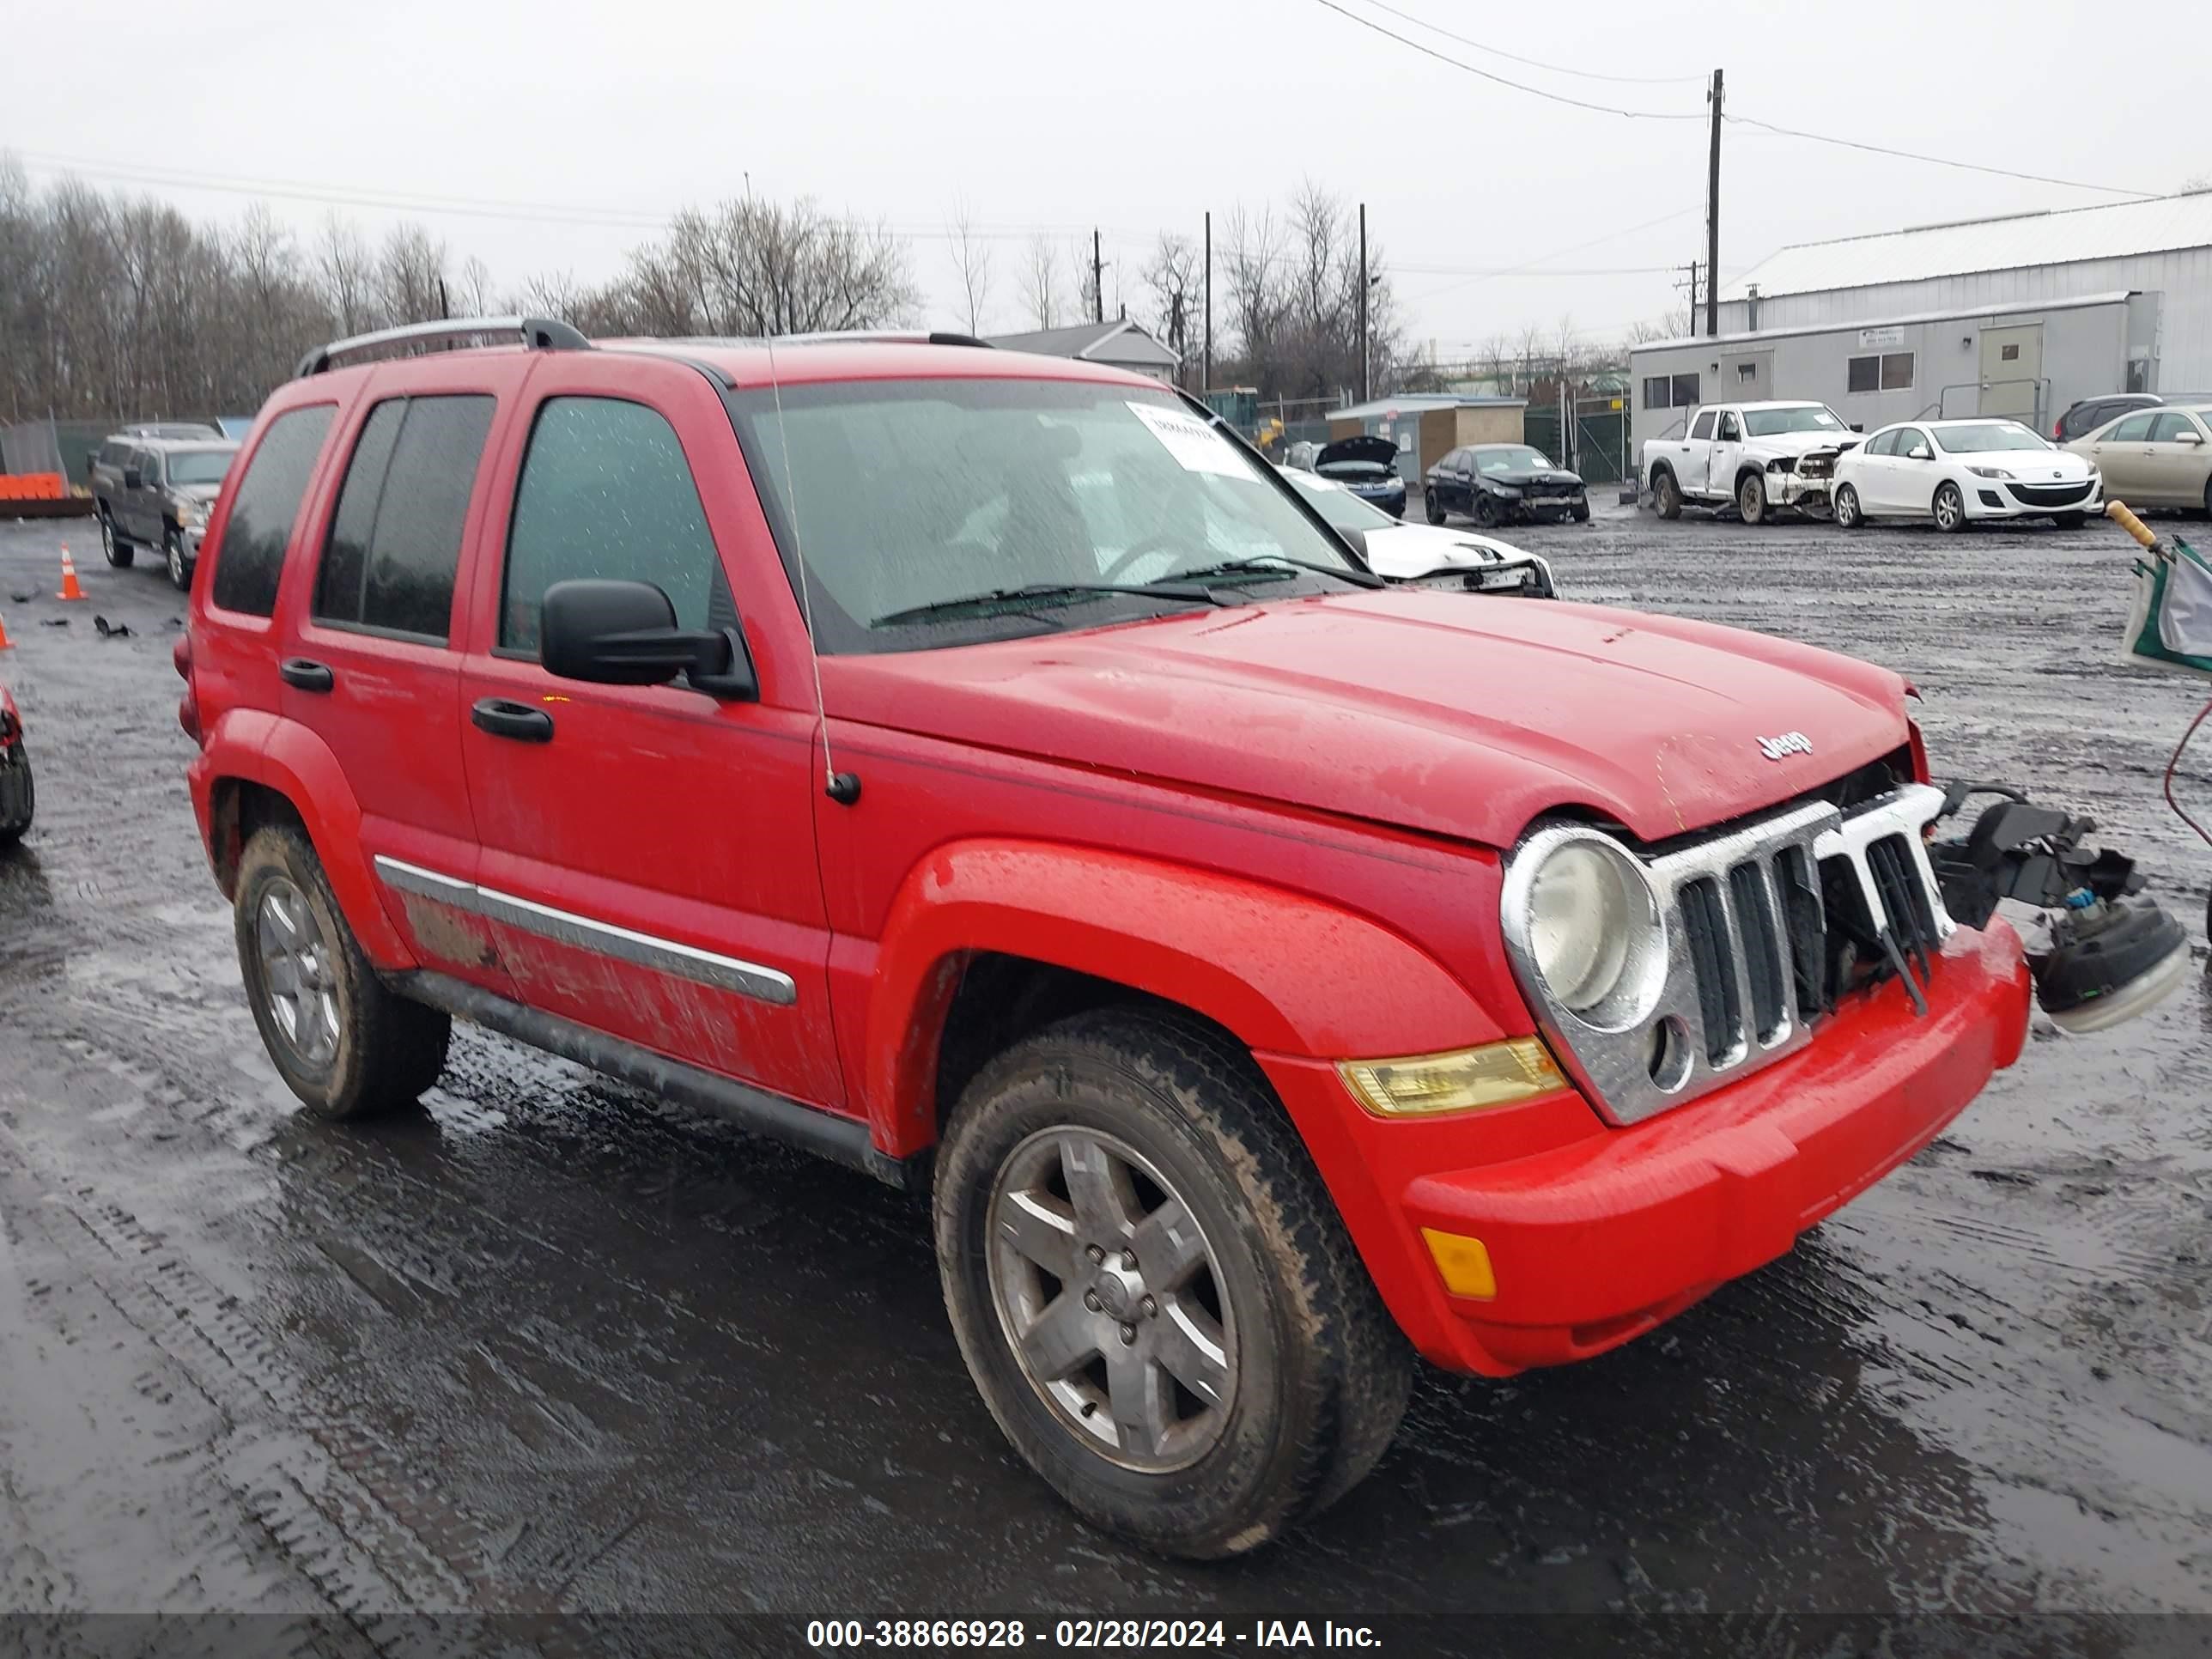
x,y
250,561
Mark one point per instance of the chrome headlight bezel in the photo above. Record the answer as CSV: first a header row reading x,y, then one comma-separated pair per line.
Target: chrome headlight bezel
x,y
1633,989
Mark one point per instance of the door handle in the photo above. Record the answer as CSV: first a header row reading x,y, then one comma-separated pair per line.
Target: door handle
x,y
309,676
504,718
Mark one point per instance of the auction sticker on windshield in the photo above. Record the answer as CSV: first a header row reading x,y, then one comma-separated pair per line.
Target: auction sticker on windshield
x,y
1195,446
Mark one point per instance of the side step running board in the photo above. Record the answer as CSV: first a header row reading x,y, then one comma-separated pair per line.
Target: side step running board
x,y
827,1134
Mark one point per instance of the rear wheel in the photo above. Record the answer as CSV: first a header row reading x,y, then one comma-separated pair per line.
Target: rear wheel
x,y
119,551
1153,1288
1949,508
172,551
1667,495
1432,506
1848,515
1751,499
343,1044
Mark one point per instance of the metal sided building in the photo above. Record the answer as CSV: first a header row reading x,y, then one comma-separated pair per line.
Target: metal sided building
x,y
2009,278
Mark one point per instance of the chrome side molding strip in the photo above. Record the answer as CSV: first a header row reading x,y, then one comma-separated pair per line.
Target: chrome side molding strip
x,y
664,956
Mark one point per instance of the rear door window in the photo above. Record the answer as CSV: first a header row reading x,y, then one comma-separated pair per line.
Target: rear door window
x,y
396,539
605,491
1703,427
250,559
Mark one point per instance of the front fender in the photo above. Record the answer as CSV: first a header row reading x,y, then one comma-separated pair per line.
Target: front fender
x,y
249,745
1284,972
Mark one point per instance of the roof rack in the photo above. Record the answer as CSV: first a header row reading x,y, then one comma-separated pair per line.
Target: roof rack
x,y
881,336
538,333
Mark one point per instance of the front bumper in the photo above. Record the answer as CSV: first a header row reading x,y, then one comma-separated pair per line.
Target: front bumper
x,y
1796,491
1597,1234
1392,502
1996,498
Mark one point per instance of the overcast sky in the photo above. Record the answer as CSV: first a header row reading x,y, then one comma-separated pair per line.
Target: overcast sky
x,y
575,128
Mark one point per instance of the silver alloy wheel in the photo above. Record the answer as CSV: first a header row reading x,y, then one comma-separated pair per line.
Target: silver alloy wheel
x,y
1950,509
298,973
176,551
1112,1300
107,537
1847,507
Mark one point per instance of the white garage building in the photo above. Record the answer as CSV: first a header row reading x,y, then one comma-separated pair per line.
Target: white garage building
x,y
2015,315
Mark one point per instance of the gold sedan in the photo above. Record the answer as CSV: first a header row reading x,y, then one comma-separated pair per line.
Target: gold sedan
x,y
2157,457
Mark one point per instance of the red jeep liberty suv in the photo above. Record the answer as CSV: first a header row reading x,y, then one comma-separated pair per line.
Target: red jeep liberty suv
x,y
982,769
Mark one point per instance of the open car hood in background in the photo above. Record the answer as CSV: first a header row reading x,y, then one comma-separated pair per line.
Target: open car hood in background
x,y
1376,452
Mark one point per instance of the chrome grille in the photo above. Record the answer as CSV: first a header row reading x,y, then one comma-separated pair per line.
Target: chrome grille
x,y
1756,951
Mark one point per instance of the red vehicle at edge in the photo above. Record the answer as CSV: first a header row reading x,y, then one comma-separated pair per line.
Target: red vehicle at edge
x,y
1270,975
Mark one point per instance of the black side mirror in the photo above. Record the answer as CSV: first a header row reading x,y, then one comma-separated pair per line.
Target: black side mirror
x,y
133,478
1357,538
1858,425
623,632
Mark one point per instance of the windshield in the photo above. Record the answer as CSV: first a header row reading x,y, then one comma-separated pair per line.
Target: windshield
x,y
198,466
1339,506
1512,457
1802,417
1984,436
907,493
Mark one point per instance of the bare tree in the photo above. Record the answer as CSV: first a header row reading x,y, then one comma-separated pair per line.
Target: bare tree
x,y
472,292
1041,283
755,267
409,272
1292,289
971,258
1173,278
347,276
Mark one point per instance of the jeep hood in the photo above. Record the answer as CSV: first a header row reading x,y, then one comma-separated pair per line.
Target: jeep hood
x,y
1444,712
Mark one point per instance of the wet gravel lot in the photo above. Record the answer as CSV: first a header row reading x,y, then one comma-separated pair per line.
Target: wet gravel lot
x,y
552,1346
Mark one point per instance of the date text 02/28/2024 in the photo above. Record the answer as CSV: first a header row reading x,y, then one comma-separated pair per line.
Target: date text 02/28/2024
x,y
1086,1634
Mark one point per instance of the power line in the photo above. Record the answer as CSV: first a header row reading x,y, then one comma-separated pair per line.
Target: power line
x,y
1555,68
1532,267
1934,160
1517,85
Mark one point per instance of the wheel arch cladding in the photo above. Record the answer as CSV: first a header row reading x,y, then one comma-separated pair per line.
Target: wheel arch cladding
x,y
1281,972
260,763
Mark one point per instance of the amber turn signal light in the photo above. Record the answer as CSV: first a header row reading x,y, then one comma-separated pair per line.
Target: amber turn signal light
x,y
1467,1079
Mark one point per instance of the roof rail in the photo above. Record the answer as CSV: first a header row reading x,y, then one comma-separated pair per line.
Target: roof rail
x,y
891,335
538,333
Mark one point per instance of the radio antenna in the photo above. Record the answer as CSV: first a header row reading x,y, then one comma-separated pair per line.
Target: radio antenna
x,y
843,788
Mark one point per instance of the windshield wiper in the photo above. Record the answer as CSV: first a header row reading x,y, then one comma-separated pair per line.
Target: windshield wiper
x,y
1274,561
1043,594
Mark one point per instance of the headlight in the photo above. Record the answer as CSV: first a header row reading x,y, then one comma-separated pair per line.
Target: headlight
x,y
1991,473
1585,917
1502,489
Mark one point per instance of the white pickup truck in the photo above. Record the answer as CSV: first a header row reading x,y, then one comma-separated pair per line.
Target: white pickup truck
x,y
1755,457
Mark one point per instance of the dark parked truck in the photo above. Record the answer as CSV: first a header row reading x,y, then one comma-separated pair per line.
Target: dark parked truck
x,y
1269,974
157,492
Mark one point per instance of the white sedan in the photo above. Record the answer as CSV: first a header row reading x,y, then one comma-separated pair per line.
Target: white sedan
x,y
1401,552
1957,471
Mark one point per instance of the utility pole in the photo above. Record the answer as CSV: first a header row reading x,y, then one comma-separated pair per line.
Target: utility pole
x,y
1692,268
1206,368
1365,391
1713,218
1098,265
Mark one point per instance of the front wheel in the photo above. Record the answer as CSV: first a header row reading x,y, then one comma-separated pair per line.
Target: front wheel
x,y
1848,513
119,552
1432,506
172,551
1667,495
1751,499
343,1044
1582,512
1483,510
1153,1288
17,822
1949,508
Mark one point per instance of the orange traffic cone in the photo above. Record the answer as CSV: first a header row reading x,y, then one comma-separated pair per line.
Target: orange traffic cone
x,y
70,589
5,642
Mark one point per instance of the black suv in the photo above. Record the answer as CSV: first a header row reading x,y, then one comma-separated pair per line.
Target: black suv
x,y
157,492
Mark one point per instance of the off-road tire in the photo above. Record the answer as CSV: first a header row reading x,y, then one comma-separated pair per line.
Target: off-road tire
x,y
389,1049
1322,1373
1959,508
14,830
172,555
119,552
1666,494
1751,498
1435,512
1852,517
